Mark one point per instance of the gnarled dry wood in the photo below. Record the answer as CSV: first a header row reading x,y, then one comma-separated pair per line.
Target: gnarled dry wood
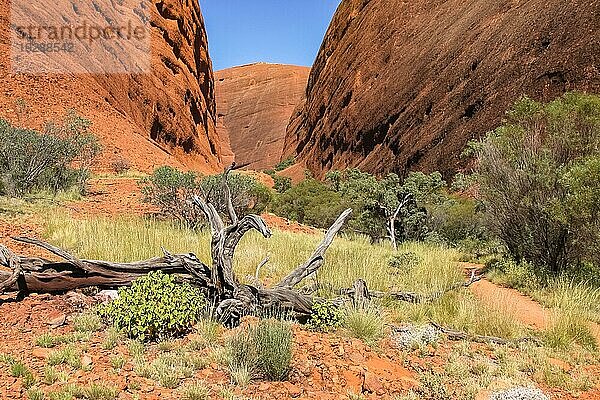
x,y
316,259
45,276
458,335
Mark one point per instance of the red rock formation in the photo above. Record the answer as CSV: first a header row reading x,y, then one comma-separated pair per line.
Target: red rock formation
x,y
165,116
254,105
401,85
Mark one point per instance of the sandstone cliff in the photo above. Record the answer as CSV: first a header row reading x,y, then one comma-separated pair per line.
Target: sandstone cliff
x,y
400,85
254,105
165,116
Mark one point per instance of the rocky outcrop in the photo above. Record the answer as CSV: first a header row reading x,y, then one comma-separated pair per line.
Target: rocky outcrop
x,y
254,105
400,85
163,116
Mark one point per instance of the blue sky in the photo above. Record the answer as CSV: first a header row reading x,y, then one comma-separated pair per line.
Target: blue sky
x,y
276,31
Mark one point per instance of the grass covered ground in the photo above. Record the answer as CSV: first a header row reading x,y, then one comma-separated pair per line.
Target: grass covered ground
x,y
565,362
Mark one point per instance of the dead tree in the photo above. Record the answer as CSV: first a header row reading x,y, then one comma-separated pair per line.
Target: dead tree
x,y
231,298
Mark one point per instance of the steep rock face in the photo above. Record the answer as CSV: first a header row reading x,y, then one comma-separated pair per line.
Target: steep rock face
x,y
165,116
254,105
402,85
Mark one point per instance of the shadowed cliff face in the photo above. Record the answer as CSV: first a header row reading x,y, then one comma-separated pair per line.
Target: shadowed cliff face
x,y
164,116
400,85
254,105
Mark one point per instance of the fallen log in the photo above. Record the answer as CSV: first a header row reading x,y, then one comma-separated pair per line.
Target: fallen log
x,y
40,275
218,281
452,334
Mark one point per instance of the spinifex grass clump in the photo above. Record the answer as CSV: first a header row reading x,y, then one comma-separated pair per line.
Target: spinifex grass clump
x,y
264,349
155,307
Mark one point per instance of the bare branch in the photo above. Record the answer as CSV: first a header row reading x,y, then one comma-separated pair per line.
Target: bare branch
x,y
316,259
458,335
232,214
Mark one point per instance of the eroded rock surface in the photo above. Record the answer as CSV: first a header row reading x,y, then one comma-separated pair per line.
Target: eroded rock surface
x,y
401,85
165,116
254,105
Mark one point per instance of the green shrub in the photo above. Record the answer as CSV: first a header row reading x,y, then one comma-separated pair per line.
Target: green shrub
x,y
325,316
247,194
404,262
538,174
288,162
310,202
56,159
170,190
155,307
281,184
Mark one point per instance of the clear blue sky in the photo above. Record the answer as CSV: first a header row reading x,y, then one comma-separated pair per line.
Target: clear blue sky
x,y
276,31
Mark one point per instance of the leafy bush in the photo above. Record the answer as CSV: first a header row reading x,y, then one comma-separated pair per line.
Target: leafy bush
x,y
288,162
538,175
325,315
247,194
264,349
405,262
56,159
155,307
310,202
282,183
170,190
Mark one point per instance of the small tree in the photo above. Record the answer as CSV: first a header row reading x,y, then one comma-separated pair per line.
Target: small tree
x,y
170,190
539,175
55,159
309,202
247,194
385,208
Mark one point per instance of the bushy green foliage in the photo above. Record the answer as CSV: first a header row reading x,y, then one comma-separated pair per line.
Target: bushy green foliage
x,y
379,201
170,190
310,202
324,316
420,206
404,262
264,349
288,162
55,159
154,307
539,174
281,184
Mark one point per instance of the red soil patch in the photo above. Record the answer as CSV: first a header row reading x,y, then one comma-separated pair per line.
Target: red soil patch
x,y
109,197
284,224
297,173
523,308
324,366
